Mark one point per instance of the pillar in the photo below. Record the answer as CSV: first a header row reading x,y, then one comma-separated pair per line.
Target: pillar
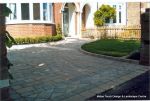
x,y
4,75
145,38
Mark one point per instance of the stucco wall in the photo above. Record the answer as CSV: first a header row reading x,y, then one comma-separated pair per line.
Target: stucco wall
x,y
133,13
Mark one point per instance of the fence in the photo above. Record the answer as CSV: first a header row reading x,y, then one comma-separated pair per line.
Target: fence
x,y
115,32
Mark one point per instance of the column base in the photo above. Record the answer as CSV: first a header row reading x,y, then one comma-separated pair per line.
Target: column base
x,y
4,91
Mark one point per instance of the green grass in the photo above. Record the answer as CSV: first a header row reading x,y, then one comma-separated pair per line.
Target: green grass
x,y
112,47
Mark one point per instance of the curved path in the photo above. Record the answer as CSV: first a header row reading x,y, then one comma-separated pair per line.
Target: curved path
x,y
60,72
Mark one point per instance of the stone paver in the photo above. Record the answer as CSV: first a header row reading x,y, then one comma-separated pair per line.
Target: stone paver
x,y
60,72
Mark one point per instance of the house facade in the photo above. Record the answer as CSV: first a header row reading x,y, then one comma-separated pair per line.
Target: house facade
x,y
32,19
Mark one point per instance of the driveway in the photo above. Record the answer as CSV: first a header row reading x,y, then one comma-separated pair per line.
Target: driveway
x,y
60,72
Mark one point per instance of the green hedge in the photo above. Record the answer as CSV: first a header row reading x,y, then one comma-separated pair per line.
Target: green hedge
x,y
42,39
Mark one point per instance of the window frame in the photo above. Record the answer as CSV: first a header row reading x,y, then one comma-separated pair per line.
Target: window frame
x,y
28,12
39,12
120,8
31,14
10,17
45,12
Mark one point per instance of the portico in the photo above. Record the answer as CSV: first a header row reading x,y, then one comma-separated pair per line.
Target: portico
x,y
71,19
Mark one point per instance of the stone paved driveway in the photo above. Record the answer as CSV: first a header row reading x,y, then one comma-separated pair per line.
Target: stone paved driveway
x,y
60,72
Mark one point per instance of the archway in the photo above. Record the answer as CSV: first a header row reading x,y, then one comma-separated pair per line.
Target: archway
x,y
85,16
69,19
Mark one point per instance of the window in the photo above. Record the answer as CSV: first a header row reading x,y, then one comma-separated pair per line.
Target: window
x,y
119,7
114,6
114,20
25,11
45,15
119,16
36,11
13,15
30,12
107,20
51,12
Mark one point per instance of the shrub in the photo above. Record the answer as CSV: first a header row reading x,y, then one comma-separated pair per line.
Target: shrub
x,y
104,14
58,29
42,39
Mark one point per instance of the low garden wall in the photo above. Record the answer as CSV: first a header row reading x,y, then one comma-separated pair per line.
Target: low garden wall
x,y
115,32
31,30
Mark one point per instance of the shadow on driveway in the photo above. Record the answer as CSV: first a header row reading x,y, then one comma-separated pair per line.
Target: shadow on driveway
x,y
134,89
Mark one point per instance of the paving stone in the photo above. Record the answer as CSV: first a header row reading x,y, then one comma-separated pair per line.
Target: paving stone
x,y
41,99
14,95
33,96
27,89
67,74
30,99
56,95
89,93
44,95
28,93
17,87
75,98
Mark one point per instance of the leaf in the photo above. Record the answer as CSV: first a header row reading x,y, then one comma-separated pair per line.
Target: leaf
x,y
6,11
9,40
10,76
104,14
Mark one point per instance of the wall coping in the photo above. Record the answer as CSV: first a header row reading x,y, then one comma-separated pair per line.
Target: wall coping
x,y
4,83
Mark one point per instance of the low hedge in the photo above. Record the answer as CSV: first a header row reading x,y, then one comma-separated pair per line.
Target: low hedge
x,y
42,39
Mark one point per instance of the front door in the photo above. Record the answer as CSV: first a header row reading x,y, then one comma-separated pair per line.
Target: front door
x,y
66,21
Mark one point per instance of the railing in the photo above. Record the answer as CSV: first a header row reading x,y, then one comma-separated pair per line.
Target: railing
x,y
115,32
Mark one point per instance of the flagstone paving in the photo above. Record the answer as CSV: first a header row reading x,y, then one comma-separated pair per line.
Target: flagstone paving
x,y
60,72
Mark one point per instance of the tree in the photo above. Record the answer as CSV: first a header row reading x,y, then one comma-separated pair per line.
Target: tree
x,y
3,55
5,40
104,14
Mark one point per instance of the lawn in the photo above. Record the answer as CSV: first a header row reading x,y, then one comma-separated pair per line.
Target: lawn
x,y
112,47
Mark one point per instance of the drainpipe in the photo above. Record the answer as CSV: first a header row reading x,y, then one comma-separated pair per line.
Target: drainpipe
x,y
140,12
62,19
97,5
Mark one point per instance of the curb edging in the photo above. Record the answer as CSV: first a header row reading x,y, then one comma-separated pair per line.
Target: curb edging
x,y
109,57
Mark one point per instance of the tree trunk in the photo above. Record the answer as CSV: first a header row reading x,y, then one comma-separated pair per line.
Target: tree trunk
x,y
4,75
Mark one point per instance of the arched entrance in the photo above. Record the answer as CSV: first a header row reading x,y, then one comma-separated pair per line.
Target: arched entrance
x,y
70,20
85,17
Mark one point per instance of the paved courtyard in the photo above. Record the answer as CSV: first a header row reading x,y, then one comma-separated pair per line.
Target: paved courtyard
x,y
60,72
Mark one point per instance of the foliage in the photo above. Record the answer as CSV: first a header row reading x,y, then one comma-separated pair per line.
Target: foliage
x,y
104,14
9,40
6,11
42,39
58,29
112,47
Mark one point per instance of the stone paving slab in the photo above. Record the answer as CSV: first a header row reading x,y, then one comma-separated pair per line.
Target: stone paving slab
x,y
60,72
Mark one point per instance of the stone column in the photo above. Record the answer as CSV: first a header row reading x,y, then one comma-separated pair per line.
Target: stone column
x,y
145,38
4,76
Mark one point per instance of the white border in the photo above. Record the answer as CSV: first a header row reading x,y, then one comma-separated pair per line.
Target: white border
x,y
61,1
